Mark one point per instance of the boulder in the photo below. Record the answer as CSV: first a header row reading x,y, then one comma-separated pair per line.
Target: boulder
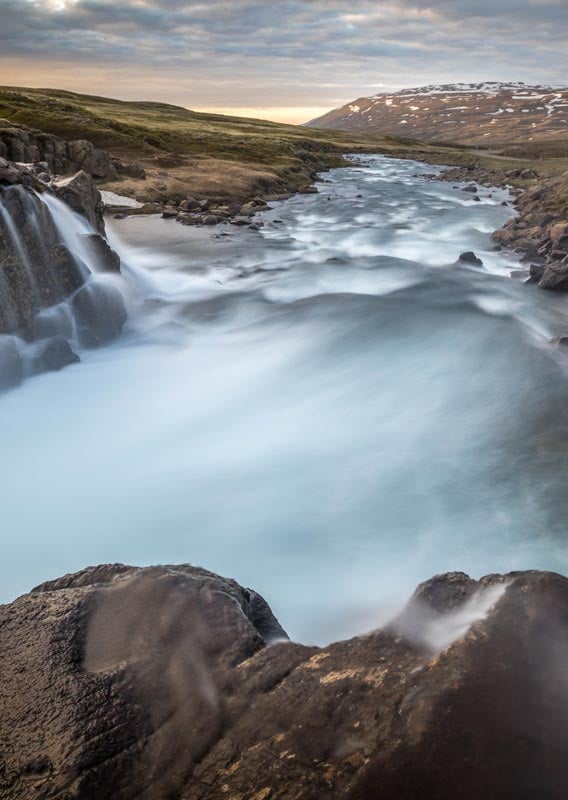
x,y
97,163
154,682
100,313
559,236
54,355
555,278
190,204
472,188
105,257
68,270
80,193
169,212
536,272
211,219
470,258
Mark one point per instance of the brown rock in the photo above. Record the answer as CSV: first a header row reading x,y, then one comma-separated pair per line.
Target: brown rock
x,y
122,682
559,236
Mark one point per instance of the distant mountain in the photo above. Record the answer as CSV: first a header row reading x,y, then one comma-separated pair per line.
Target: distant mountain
x,y
471,113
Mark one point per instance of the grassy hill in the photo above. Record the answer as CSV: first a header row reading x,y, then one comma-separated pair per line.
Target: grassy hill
x,y
188,152
215,156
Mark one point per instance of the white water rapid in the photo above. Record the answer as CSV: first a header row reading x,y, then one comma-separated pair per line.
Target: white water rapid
x,y
329,410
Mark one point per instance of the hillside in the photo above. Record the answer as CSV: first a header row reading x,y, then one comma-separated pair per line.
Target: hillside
x,y
474,114
187,152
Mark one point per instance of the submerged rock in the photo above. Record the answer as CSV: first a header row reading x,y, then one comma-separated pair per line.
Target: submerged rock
x,y
470,258
55,355
123,682
11,371
100,313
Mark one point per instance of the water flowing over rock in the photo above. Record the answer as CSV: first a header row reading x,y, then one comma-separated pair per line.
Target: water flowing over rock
x,y
51,245
125,682
80,193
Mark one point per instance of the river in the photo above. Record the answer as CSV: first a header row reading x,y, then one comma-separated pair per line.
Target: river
x,y
328,410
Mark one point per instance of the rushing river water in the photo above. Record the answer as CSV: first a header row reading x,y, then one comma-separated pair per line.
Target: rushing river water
x,y
328,410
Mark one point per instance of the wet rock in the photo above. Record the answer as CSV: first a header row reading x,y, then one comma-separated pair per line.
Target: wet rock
x,y
80,193
100,313
536,272
471,188
169,212
55,355
555,277
11,370
69,271
470,258
105,257
211,219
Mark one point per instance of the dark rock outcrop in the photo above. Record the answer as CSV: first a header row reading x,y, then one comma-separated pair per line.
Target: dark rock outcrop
x,y
61,157
80,193
41,266
470,258
120,682
106,258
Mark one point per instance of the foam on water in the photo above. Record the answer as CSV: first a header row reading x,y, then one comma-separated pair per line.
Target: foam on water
x,y
329,411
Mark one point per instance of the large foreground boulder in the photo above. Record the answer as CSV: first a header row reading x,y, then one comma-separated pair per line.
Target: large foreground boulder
x,y
162,682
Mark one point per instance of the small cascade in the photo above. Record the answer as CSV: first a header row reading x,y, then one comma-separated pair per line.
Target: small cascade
x,y
58,293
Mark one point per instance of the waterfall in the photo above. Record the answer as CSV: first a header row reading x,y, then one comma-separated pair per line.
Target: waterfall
x,y
58,296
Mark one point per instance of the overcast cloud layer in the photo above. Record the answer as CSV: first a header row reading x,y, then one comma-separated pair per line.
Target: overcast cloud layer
x,y
287,58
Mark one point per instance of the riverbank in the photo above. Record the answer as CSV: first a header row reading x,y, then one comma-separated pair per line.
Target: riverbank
x,y
539,231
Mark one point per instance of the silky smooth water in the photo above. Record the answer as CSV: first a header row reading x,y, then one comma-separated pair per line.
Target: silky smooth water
x,y
329,410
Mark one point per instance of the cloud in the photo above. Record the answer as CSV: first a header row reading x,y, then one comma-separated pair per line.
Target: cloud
x,y
294,53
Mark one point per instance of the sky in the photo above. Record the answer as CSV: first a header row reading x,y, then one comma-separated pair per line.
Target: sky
x,y
287,60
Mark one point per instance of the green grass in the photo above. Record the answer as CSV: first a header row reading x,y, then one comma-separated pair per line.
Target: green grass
x,y
232,157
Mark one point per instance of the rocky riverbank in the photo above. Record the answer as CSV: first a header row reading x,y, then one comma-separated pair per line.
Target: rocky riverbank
x,y
172,681
539,231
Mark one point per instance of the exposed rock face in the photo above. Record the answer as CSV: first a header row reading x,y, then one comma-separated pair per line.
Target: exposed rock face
x,y
149,683
80,193
60,157
35,269
107,258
